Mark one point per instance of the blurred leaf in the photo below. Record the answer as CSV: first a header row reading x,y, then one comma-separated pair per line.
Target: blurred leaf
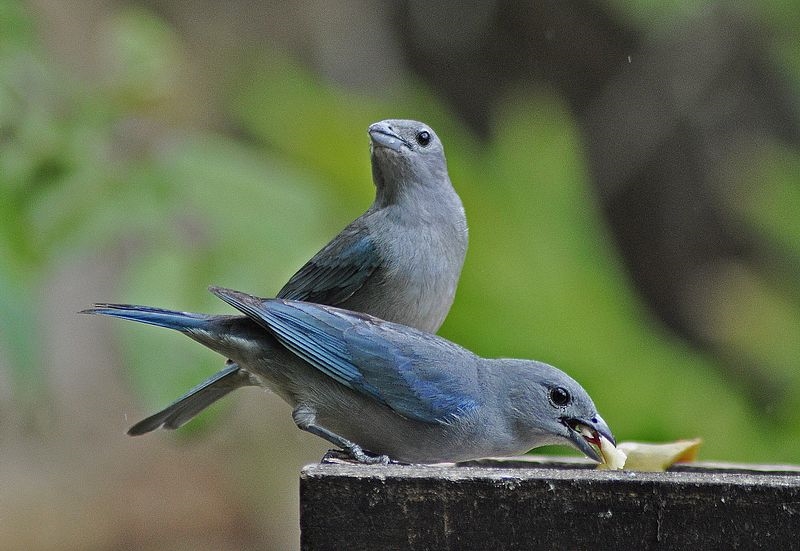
x,y
20,337
313,124
768,194
144,58
655,15
323,128
16,27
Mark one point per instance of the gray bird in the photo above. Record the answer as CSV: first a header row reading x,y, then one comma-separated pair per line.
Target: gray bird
x,y
399,261
367,384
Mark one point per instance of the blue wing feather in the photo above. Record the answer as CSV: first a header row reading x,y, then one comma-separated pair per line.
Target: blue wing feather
x,y
362,352
419,375
296,338
337,271
428,386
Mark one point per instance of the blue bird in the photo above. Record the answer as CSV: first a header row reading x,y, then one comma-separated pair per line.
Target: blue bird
x,y
399,261
381,390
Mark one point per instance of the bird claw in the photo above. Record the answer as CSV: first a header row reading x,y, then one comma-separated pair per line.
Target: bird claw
x,y
359,455
355,454
336,456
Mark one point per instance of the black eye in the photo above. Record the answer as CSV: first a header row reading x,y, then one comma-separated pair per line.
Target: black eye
x,y
423,138
559,396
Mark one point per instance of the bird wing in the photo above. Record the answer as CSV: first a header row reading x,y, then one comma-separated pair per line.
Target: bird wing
x,y
419,375
337,271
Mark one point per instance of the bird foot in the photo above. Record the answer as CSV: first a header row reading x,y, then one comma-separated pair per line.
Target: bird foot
x,y
355,454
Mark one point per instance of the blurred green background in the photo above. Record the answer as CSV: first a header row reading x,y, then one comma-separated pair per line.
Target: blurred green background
x,y
630,172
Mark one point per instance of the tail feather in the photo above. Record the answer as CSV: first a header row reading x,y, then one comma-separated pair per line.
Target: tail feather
x,y
179,321
208,330
196,400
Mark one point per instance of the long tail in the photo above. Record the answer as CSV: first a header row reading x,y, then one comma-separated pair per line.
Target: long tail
x,y
196,400
206,329
179,321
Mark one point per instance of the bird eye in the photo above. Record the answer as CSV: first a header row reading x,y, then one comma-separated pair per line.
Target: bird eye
x,y
559,396
423,138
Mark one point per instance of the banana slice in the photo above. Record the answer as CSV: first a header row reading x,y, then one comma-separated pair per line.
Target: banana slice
x,y
613,457
647,457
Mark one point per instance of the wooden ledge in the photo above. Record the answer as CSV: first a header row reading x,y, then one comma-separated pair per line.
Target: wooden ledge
x,y
548,503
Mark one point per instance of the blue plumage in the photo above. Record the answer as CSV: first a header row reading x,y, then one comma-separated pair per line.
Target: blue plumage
x,y
336,272
367,355
408,368
179,321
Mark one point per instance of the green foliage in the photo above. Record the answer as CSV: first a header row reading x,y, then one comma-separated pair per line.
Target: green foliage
x,y
768,197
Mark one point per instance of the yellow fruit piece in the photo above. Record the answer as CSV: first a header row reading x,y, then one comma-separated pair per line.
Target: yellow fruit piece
x,y
613,458
654,457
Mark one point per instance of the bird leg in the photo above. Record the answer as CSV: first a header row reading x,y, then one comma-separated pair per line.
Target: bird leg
x,y
305,419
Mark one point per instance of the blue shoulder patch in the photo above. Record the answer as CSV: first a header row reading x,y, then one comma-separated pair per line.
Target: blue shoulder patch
x,y
336,272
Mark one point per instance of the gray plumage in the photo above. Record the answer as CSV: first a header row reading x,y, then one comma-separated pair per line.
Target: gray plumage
x,y
367,384
399,261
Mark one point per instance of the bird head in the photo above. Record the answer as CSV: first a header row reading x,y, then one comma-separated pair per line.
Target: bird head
x,y
406,152
552,408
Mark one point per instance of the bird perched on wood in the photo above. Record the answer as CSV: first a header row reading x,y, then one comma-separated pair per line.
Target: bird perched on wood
x,y
399,261
381,390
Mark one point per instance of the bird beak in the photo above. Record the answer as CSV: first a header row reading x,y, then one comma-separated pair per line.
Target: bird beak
x,y
383,136
585,434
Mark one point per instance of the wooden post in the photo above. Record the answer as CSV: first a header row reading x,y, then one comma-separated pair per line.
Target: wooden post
x,y
548,503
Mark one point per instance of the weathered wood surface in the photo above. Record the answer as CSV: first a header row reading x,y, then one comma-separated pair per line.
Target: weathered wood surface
x,y
548,503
